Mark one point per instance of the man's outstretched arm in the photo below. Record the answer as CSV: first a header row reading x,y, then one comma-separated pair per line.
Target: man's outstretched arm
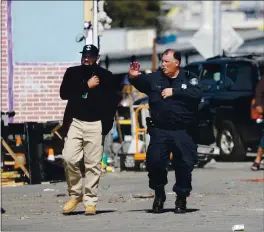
x,y
138,80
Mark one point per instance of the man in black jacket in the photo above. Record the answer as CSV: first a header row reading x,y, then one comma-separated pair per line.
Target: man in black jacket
x,y
174,96
93,96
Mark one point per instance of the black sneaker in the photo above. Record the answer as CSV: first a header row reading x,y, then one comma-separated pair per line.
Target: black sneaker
x,y
180,205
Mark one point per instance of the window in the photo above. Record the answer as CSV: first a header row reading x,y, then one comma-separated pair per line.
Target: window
x,y
194,68
211,76
239,76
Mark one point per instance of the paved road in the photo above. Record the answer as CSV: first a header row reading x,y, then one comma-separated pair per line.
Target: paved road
x,y
219,200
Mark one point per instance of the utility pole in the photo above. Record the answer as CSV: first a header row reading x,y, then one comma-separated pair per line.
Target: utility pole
x,y
88,20
95,23
207,14
211,20
91,22
217,28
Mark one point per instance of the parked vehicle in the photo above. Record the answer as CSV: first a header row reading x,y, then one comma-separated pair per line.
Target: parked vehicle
x,y
228,85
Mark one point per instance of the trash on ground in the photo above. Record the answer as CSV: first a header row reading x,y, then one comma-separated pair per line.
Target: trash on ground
x,y
59,201
48,190
171,193
61,195
238,227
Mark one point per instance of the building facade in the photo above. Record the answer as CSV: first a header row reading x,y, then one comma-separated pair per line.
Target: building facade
x,y
37,45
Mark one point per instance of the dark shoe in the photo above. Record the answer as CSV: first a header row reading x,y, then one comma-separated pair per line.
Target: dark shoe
x,y
158,205
160,198
255,166
2,210
180,205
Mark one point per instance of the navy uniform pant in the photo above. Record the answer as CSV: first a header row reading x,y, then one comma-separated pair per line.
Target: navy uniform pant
x,y
184,150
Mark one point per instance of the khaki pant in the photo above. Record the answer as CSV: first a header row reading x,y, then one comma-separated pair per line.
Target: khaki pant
x,y
84,141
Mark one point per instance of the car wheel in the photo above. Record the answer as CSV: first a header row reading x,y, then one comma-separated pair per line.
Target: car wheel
x,y
230,143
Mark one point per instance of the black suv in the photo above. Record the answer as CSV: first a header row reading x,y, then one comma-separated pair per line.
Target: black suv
x,y
228,85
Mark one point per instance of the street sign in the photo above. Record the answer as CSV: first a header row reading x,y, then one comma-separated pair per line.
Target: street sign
x,y
203,41
231,40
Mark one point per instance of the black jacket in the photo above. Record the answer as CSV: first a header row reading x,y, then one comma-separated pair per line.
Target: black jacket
x,y
101,102
177,111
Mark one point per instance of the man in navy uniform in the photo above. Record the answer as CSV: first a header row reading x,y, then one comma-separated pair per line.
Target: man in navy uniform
x,y
174,96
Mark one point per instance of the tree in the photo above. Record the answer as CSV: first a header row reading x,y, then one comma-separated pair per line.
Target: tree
x,y
134,13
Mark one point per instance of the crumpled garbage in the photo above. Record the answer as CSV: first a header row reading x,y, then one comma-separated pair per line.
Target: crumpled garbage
x,y
48,190
238,227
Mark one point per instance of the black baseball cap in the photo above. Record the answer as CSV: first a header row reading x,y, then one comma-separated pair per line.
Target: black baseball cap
x,y
90,50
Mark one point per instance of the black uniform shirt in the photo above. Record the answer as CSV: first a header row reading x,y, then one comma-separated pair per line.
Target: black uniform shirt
x,y
178,110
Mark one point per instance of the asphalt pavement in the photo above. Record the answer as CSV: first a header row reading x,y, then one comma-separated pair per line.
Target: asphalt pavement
x,y
224,194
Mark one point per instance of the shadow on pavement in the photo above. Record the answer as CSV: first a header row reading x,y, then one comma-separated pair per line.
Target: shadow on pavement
x,y
164,211
97,212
